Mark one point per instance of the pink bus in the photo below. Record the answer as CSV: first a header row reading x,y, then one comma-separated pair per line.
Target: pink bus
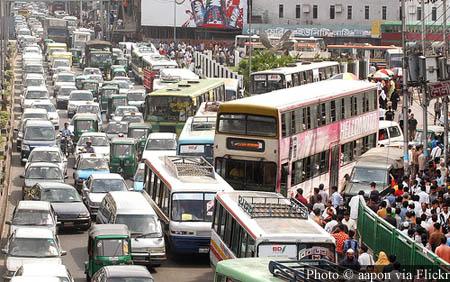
x,y
297,137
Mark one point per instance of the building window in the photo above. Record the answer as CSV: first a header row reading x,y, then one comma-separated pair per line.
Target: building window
x,y
297,11
280,11
366,12
419,13
383,12
434,14
332,12
349,12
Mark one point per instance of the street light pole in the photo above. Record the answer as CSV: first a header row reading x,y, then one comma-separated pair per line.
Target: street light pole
x,y
405,92
250,4
174,22
445,102
81,12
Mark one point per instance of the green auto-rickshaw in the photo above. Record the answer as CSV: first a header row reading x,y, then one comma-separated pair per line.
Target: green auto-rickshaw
x,y
123,157
118,71
115,101
76,56
92,85
139,131
105,93
108,244
79,80
84,122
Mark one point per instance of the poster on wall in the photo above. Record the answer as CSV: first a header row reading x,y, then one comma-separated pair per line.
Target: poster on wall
x,y
213,14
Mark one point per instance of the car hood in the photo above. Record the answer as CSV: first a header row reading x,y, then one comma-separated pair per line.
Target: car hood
x,y
69,208
96,197
28,102
147,154
352,188
34,144
13,263
59,84
31,182
85,173
141,243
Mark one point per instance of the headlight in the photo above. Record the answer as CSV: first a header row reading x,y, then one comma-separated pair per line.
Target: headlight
x,y
83,214
25,147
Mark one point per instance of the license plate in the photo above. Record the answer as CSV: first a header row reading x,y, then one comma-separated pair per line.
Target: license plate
x,y
203,250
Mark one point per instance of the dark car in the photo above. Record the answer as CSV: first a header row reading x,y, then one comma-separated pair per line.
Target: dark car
x,y
135,273
66,203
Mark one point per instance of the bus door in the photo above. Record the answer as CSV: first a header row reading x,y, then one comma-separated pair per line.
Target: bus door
x,y
334,165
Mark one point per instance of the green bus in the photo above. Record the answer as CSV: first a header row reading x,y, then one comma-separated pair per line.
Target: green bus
x,y
245,269
168,109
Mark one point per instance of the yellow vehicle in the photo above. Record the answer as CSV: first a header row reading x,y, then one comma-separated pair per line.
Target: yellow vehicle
x,y
24,12
60,55
53,47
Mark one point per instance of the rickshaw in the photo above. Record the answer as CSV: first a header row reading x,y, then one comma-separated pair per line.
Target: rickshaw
x,y
114,101
139,131
84,122
118,71
123,156
105,93
108,244
78,81
76,55
92,85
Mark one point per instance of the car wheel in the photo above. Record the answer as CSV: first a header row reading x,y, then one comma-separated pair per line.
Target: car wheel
x,y
88,279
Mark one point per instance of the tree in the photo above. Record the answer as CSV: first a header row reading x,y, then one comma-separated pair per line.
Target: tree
x,y
262,60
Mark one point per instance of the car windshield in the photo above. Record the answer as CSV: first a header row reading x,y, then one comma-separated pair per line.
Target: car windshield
x,y
161,144
108,185
35,82
36,133
34,116
119,150
120,111
90,86
33,247
96,141
43,172
136,96
123,84
34,69
49,107
60,195
367,175
88,71
81,96
112,247
192,206
93,163
144,225
138,133
114,128
63,63
36,95
133,118
45,156
65,91
32,217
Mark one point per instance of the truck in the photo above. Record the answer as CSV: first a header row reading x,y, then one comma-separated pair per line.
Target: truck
x,y
98,54
57,30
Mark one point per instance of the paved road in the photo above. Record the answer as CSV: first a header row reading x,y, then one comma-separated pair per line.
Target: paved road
x,y
175,269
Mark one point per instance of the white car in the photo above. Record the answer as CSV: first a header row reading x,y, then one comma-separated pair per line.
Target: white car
x,y
33,79
32,94
100,143
160,144
48,155
44,270
76,98
30,213
136,98
33,49
88,71
90,108
124,84
121,110
62,99
51,110
31,245
63,78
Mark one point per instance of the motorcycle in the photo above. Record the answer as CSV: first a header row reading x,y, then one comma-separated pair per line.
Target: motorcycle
x,y
67,145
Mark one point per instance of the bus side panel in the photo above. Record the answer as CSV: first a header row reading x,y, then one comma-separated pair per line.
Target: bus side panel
x,y
218,250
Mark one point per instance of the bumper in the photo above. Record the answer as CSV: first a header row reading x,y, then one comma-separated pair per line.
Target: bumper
x,y
190,245
148,259
83,223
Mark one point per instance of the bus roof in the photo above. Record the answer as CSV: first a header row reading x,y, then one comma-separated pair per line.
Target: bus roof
x,y
247,269
189,88
270,215
298,67
187,174
159,61
285,99
94,43
203,135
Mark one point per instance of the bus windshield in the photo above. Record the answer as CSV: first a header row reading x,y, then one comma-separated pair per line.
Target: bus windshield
x,y
264,83
170,108
247,125
188,207
202,150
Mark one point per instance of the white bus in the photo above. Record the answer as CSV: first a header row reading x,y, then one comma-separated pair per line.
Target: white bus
x,y
182,191
170,76
297,137
137,59
292,75
263,224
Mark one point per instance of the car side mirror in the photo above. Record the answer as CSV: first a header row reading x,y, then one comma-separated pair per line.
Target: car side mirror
x,y
22,176
63,253
8,222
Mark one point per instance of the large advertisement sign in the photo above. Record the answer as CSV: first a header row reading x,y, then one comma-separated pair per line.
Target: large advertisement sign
x,y
215,14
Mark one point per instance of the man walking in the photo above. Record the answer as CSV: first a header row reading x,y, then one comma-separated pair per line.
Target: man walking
x,y
412,127
437,110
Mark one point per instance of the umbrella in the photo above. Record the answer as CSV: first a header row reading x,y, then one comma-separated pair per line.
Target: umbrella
x,y
387,72
397,72
379,75
345,76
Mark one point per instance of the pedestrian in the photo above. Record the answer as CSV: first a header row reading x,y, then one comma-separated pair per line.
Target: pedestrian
x,y
319,205
381,262
443,250
299,197
329,227
323,193
383,99
374,194
347,221
437,110
350,261
340,236
390,218
351,243
382,212
395,98
423,195
390,114
365,259
435,236
313,197
354,204
390,266
412,127
336,198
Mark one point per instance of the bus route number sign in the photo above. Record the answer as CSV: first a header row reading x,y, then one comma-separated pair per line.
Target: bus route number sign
x,y
245,145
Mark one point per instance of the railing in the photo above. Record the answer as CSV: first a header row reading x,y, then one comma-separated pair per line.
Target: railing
x,y
379,235
210,68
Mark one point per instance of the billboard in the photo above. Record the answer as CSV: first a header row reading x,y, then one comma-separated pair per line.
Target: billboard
x,y
214,14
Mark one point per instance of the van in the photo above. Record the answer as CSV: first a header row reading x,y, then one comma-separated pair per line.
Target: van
x,y
380,165
390,134
37,133
134,210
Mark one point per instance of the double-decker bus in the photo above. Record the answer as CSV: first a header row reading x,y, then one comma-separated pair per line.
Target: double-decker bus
x,y
197,136
168,109
377,55
181,190
152,66
137,58
290,76
297,137
266,224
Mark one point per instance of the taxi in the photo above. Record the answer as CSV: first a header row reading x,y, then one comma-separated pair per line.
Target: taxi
x,y
85,165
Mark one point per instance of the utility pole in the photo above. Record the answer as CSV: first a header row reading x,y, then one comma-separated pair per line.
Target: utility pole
x,y
250,46
81,12
405,92
174,22
445,100
423,90
423,26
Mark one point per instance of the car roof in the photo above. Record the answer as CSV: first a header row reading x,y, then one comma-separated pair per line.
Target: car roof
x,y
94,134
81,91
162,135
65,73
35,279
39,122
130,202
50,269
33,205
127,271
34,111
34,75
68,86
43,102
33,232
37,88
106,176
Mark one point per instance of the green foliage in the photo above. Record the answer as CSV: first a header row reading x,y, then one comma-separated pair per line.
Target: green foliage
x,y
262,60
4,117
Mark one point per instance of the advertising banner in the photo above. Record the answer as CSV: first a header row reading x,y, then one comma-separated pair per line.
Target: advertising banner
x,y
214,14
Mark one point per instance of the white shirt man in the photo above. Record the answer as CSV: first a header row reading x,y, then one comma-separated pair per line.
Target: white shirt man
x,y
423,197
350,223
354,205
330,225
